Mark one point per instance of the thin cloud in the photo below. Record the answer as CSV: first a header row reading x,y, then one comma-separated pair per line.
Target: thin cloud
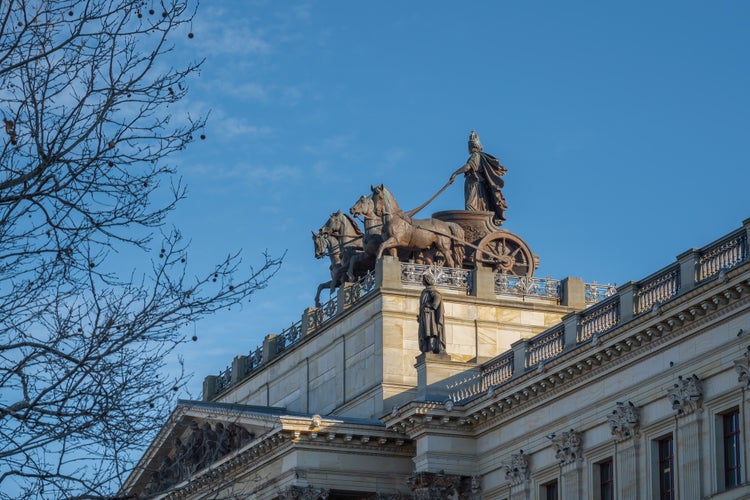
x,y
218,35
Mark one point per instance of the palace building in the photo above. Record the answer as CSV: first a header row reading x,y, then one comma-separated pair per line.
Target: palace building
x,y
543,388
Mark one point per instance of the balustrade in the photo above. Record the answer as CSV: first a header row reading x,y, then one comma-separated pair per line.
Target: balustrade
x,y
722,255
498,370
661,287
599,318
657,289
545,346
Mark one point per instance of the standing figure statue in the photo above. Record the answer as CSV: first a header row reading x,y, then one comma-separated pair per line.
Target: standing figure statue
x,y
483,181
431,325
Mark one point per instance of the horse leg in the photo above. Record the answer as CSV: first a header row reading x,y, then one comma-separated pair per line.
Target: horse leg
x,y
353,263
389,244
327,284
444,245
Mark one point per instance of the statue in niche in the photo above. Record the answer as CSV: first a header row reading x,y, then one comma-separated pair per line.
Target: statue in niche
x,y
431,325
483,181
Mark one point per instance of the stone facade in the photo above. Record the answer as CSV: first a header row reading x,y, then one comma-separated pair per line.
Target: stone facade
x,y
642,391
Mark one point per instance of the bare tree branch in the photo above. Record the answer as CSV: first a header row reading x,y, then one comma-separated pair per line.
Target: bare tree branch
x,y
87,132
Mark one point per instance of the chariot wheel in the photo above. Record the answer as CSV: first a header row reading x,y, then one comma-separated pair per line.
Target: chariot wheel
x,y
505,252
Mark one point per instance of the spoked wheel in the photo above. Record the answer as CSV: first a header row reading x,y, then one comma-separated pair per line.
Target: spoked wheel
x,y
506,252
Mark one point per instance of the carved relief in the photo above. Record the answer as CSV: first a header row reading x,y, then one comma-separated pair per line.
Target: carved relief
x,y
568,447
687,395
307,493
439,486
742,367
518,470
204,445
624,421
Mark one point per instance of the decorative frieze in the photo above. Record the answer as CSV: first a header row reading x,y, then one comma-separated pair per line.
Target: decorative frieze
x,y
687,395
439,486
517,471
204,445
568,447
300,493
624,421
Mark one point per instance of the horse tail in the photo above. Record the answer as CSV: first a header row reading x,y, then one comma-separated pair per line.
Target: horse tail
x,y
457,243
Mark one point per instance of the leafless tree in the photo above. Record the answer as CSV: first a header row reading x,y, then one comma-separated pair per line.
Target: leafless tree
x,y
87,99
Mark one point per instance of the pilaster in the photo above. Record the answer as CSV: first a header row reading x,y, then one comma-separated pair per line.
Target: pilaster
x,y
689,455
627,470
572,480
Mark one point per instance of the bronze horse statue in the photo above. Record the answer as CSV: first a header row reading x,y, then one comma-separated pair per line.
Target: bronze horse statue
x,y
358,251
328,245
400,230
340,239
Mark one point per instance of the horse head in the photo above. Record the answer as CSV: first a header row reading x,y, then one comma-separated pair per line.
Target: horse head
x,y
383,201
333,225
363,206
322,244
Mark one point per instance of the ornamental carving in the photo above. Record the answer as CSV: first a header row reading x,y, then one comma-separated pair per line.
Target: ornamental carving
x,y
204,445
568,447
687,395
742,367
307,493
518,470
439,486
624,421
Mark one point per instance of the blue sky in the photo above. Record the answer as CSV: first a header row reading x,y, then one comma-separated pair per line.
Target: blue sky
x,y
623,126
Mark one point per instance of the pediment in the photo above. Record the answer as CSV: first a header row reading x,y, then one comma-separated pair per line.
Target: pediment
x,y
196,435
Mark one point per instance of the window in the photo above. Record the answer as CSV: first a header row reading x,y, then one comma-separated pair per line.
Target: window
x,y
730,424
549,490
665,470
606,476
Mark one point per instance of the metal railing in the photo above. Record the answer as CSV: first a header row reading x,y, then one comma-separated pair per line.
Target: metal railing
x,y
596,292
445,277
527,286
